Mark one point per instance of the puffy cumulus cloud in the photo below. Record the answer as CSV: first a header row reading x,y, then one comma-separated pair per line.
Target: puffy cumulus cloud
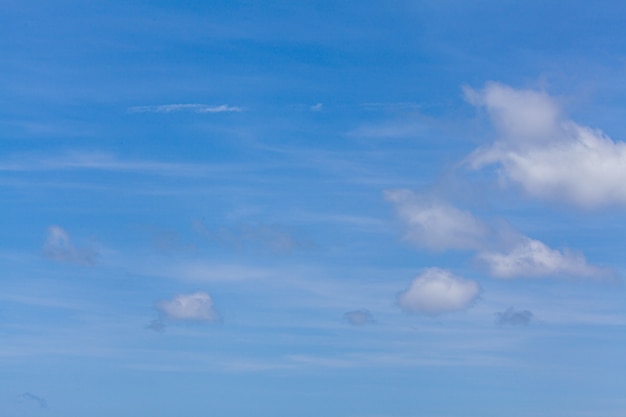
x,y
59,247
513,317
197,306
547,155
437,225
359,317
532,258
437,291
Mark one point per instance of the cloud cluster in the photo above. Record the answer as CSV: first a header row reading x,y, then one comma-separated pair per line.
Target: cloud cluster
x,y
506,253
197,306
359,317
513,317
549,156
437,291
59,247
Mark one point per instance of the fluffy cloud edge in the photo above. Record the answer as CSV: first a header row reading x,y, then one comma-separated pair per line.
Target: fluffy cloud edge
x,y
194,307
438,291
436,225
531,258
538,146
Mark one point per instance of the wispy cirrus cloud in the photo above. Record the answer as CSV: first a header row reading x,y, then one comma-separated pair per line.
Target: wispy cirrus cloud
x,y
194,108
59,247
274,238
548,155
102,161
389,130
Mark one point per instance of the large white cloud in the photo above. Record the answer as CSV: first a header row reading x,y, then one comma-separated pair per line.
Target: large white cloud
x,y
197,306
532,258
435,224
437,291
547,155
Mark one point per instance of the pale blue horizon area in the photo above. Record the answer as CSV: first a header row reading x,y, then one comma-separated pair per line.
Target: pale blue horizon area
x,y
312,209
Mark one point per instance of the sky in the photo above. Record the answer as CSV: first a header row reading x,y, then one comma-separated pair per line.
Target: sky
x,y
312,208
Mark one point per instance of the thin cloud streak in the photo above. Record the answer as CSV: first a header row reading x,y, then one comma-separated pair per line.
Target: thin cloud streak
x,y
194,108
99,161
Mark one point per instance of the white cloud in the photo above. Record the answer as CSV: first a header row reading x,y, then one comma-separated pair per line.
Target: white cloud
x,y
197,306
437,225
437,291
532,258
547,155
195,108
440,226
317,107
59,247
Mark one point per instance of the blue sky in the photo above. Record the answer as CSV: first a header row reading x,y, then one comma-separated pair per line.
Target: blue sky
x,y
315,208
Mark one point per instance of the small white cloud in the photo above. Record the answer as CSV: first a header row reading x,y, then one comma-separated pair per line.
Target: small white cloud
x,y
317,107
195,108
189,307
59,247
437,291
549,156
532,258
437,225
359,317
